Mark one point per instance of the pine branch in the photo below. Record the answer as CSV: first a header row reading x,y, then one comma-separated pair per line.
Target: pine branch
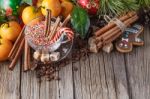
x,y
117,7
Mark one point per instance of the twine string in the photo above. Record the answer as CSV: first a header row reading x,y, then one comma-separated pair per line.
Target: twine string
x,y
119,23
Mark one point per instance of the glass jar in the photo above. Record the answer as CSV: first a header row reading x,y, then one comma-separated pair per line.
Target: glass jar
x,y
35,36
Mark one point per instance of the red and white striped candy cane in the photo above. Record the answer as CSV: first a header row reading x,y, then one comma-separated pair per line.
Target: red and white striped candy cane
x,y
66,30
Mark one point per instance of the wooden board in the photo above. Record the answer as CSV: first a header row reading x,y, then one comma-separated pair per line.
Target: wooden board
x,y
138,69
10,81
99,76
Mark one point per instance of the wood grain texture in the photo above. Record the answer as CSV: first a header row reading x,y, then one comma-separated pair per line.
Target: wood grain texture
x,y
77,80
30,86
109,76
121,83
138,69
9,81
66,83
49,89
96,86
99,76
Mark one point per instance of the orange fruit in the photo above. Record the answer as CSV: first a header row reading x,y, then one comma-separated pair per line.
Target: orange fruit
x,y
10,30
53,5
30,13
66,8
5,48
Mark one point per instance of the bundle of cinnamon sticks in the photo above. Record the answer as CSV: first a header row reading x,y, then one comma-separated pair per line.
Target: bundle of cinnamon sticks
x,y
111,31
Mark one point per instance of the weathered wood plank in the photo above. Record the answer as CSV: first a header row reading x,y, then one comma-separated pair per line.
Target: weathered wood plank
x,y
109,76
120,76
30,86
85,74
138,69
49,89
66,83
96,86
101,76
9,82
77,80
104,85
89,78
82,79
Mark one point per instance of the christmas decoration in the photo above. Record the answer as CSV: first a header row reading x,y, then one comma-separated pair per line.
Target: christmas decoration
x,y
9,6
91,6
130,38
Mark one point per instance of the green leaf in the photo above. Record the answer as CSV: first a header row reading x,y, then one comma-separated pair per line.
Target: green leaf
x,y
80,21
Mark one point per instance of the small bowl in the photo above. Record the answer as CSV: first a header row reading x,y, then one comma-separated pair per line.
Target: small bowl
x,y
35,28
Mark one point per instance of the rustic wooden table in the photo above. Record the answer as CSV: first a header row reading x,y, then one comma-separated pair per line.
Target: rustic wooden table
x,y
100,76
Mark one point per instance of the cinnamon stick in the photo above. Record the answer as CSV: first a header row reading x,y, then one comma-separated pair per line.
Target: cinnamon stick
x,y
100,38
46,22
111,24
26,57
16,45
112,34
114,37
67,19
49,23
18,54
56,24
29,57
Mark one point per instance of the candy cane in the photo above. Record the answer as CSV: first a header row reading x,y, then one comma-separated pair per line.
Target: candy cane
x,y
66,30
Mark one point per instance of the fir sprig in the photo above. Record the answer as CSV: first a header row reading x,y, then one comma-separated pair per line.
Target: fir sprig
x,y
144,3
117,7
